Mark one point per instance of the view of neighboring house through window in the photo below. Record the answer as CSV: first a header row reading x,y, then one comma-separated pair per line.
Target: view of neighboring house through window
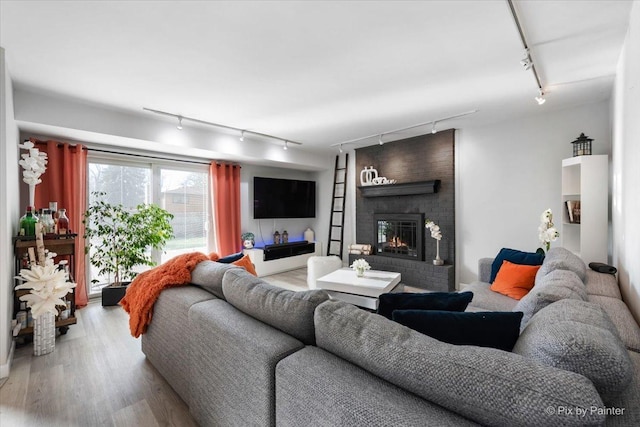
x,y
182,190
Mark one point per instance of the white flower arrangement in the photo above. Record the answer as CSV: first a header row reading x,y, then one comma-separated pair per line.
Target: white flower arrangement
x,y
48,285
547,232
360,264
435,229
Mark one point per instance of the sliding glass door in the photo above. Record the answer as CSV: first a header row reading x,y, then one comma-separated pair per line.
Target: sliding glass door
x,y
180,188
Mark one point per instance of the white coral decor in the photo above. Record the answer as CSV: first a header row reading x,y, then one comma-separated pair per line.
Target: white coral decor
x,y
547,232
48,287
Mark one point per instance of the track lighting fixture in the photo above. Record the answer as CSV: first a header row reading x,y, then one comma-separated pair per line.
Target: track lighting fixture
x,y
340,148
180,118
380,135
527,61
285,147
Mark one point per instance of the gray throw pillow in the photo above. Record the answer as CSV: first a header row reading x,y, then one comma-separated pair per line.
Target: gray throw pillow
x,y
555,286
208,275
289,311
571,335
489,386
562,259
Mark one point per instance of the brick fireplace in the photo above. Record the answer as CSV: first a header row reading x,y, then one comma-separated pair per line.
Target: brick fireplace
x,y
388,215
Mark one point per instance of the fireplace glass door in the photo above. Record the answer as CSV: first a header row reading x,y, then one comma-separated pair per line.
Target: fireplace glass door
x,y
398,236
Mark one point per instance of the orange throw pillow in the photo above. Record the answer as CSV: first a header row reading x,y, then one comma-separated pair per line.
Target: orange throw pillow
x,y
245,262
515,280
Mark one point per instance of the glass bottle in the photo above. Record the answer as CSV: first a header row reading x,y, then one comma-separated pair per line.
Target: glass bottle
x,y
285,237
63,222
28,223
47,221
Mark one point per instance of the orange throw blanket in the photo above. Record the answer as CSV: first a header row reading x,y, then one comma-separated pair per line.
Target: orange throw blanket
x,y
143,292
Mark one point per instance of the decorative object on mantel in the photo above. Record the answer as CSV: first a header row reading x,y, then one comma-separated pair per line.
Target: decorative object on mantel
x,y
547,232
382,180
582,146
360,249
367,175
34,164
436,234
48,285
360,265
248,240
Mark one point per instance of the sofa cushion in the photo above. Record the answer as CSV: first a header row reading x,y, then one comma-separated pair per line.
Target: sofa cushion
x,y
208,275
571,336
562,259
489,386
602,284
515,280
230,258
516,257
245,262
485,329
288,311
622,318
448,301
557,285
487,300
627,402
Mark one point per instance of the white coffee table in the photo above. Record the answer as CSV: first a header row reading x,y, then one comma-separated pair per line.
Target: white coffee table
x,y
344,285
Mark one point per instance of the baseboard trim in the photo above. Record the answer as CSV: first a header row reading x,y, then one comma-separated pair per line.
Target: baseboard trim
x,y
6,368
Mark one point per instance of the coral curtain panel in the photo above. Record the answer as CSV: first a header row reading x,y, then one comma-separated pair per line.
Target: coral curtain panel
x,y
225,185
65,182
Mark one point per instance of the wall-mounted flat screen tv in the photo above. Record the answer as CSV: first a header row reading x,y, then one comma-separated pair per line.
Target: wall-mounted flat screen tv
x,y
283,198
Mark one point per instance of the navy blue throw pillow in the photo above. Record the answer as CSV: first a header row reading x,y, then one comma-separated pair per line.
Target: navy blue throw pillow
x,y
231,258
485,329
516,257
451,301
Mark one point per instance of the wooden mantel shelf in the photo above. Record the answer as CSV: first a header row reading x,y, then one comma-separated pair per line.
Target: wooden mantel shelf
x,y
407,189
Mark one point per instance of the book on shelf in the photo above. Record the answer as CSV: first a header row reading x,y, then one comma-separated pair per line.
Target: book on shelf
x,y
573,210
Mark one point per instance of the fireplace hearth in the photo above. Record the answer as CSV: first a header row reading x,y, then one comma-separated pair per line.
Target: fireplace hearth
x,y
399,235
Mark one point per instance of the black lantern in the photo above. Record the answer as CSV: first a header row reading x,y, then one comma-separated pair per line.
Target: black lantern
x,y
582,146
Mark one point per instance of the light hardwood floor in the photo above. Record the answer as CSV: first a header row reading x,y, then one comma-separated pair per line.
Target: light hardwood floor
x,y
98,376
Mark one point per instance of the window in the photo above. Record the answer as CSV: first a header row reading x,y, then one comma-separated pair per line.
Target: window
x,y
181,188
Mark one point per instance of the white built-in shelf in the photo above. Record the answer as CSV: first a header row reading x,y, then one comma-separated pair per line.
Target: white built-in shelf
x,y
585,179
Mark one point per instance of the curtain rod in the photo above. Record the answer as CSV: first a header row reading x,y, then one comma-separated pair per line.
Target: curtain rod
x,y
151,157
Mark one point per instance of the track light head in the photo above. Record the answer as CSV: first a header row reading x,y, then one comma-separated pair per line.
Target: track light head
x,y
285,147
340,148
380,140
526,63
433,128
540,98
179,127
241,136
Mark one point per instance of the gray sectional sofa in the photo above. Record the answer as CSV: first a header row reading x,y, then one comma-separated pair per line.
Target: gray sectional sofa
x,y
241,352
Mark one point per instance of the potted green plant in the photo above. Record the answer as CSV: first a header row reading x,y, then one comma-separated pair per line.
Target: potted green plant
x,y
117,239
248,240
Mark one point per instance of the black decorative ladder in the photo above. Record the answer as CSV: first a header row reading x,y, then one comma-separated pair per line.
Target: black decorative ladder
x,y
338,200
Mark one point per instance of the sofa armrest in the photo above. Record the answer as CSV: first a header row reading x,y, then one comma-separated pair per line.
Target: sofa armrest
x,y
484,269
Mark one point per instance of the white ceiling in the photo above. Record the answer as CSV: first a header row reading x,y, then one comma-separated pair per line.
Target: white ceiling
x,y
316,72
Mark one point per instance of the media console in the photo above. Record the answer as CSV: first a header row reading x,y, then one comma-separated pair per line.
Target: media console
x,y
274,259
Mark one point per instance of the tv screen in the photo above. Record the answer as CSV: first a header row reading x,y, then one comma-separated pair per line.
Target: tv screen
x,y
283,198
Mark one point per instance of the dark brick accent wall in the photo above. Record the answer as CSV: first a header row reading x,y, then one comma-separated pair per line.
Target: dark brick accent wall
x,y
421,158
423,275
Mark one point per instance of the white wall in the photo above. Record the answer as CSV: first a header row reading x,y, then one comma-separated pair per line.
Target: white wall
x,y
9,211
264,228
626,166
508,173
